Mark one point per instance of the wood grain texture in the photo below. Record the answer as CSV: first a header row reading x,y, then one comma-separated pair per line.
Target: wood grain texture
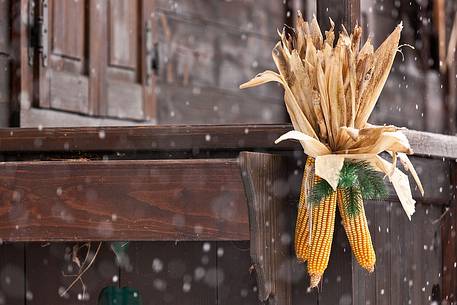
x,y
186,137
173,273
5,28
53,261
21,79
259,17
5,61
337,282
264,177
12,274
449,242
123,200
206,105
237,285
408,265
342,12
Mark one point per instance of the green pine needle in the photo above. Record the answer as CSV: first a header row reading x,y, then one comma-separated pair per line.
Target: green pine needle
x,y
320,191
352,200
358,180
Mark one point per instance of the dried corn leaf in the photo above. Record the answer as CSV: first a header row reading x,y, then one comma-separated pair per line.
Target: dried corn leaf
x,y
383,60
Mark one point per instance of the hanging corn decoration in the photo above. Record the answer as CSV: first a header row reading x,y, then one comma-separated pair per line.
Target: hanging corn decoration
x,y
313,239
359,237
330,90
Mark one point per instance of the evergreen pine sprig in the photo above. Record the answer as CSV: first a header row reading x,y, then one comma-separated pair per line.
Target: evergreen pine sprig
x,y
319,192
358,181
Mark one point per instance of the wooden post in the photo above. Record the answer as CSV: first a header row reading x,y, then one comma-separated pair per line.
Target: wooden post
x,y
342,12
265,181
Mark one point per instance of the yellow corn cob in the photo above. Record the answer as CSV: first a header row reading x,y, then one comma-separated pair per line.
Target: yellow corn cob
x,y
357,231
315,250
301,224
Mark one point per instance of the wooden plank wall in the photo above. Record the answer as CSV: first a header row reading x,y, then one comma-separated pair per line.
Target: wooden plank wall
x,y
4,62
163,272
412,96
408,267
207,49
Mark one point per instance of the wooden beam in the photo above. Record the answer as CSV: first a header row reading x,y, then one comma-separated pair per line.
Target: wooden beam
x,y
342,12
168,138
123,200
264,177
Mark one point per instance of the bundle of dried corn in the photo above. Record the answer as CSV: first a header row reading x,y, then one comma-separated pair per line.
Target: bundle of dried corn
x,y
330,91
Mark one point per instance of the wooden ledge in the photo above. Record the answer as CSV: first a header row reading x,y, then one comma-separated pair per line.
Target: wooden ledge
x,y
184,138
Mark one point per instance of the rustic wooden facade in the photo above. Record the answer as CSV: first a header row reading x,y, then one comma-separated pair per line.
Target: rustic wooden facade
x,y
180,62
183,196
188,195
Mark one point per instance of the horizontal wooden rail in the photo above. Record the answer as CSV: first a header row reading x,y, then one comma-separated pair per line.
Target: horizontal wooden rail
x,y
183,137
123,200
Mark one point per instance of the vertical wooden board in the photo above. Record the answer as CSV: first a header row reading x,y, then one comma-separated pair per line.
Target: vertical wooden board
x,y
97,30
410,267
5,98
369,279
53,262
343,12
222,58
449,244
12,274
337,280
236,282
187,105
301,293
129,76
417,258
173,272
431,259
4,26
398,255
68,19
383,249
123,33
260,17
364,288
61,75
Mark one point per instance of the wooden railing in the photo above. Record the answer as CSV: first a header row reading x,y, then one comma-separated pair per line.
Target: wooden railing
x,y
196,183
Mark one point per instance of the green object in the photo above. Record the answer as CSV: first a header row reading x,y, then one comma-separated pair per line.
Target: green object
x,y
119,296
358,181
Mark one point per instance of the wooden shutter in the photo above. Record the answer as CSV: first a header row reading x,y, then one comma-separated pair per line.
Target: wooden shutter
x,y
63,79
129,76
94,58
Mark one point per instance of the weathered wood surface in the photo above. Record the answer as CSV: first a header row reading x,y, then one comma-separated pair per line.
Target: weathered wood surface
x,y
123,200
5,59
185,137
265,177
449,240
187,104
12,273
173,273
236,281
343,12
408,254
54,262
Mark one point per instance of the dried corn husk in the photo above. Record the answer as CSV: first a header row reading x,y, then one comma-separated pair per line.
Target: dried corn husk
x,y
330,91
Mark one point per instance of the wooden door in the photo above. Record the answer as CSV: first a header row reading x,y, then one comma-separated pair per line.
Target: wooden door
x,y
94,59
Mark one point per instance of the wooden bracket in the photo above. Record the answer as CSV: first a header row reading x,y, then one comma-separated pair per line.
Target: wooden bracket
x,y
265,181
